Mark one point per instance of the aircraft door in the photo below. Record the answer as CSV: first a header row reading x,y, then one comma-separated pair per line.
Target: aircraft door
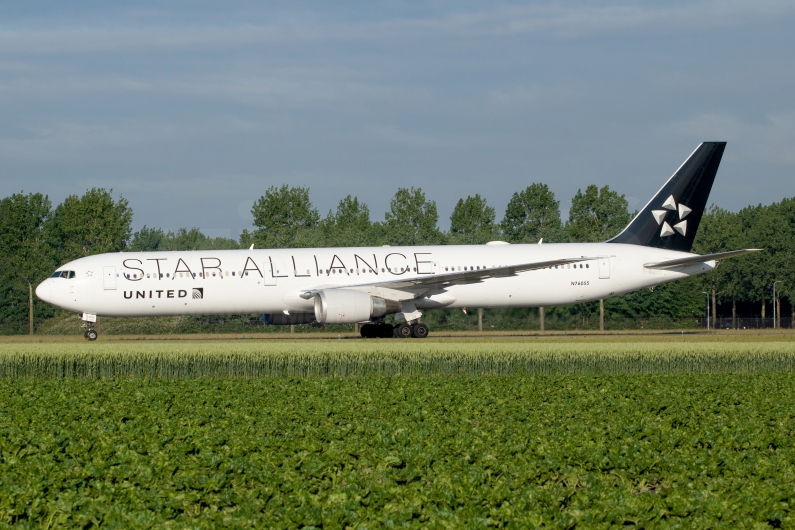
x,y
604,267
269,276
109,278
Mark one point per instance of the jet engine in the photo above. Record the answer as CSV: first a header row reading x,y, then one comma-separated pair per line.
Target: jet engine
x,y
346,306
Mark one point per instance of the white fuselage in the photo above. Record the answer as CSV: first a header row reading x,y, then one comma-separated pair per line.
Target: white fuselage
x,y
271,281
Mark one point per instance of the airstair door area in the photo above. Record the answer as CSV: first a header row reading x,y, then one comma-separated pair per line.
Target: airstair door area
x,y
604,267
269,274
109,277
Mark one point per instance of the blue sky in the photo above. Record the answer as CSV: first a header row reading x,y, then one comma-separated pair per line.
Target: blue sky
x,y
192,110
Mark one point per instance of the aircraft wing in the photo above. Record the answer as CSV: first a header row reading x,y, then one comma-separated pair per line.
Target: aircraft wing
x,y
698,259
457,278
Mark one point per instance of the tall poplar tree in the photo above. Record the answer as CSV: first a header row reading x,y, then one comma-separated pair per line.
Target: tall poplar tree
x,y
92,224
284,217
532,214
412,219
349,226
27,259
596,215
472,222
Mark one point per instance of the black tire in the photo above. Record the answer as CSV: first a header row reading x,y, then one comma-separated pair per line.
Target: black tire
x,y
419,331
386,331
91,334
85,334
403,331
366,331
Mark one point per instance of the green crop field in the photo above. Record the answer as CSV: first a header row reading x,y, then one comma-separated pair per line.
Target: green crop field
x,y
242,359
344,434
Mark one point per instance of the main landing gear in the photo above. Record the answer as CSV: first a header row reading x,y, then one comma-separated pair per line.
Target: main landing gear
x,y
400,331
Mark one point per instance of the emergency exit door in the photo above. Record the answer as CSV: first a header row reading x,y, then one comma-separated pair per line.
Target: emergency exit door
x,y
109,277
604,267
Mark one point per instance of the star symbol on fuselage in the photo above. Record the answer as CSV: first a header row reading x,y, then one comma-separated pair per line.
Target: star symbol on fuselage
x,y
670,205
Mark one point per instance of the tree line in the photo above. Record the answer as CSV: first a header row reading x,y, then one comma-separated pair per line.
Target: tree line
x,y
35,238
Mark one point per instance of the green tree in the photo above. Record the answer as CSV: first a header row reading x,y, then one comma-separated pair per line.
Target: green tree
x,y
147,239
717,233
156,239
284,217
27,259
411,219
785,256
472,222
532,214
246,239
91,224
350,226
596,215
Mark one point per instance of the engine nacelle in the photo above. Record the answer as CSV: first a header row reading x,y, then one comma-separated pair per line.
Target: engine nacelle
x,y
346,306
280,319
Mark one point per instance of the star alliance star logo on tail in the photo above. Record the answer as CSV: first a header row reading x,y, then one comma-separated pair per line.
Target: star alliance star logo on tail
x,y
670,205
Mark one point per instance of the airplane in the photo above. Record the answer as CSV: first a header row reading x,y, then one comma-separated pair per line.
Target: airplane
x,y
365,284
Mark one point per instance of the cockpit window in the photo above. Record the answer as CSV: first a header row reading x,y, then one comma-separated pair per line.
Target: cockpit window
x,y
63,274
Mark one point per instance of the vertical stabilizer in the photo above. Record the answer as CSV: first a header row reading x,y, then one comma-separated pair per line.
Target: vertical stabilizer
x,y
670,220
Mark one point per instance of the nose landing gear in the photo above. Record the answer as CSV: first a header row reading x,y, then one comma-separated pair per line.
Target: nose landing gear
x,y
88,322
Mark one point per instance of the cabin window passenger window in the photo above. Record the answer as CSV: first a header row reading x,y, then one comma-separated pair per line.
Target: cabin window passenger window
x,y
586,266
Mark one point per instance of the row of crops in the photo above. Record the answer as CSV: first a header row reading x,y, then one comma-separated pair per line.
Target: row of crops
x,y
558,451
252,359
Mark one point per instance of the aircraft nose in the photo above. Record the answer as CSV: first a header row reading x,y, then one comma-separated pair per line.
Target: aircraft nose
x,y
43,291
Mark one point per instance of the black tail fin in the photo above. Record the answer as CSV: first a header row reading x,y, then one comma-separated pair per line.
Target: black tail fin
x,y
671,218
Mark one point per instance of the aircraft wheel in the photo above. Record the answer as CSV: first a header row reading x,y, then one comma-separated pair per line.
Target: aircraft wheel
x,y
366,331
403,331
91,334
386,331
419,331
85,334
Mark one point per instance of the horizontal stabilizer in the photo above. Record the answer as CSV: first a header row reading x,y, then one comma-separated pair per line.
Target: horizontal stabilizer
x,y
699,259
